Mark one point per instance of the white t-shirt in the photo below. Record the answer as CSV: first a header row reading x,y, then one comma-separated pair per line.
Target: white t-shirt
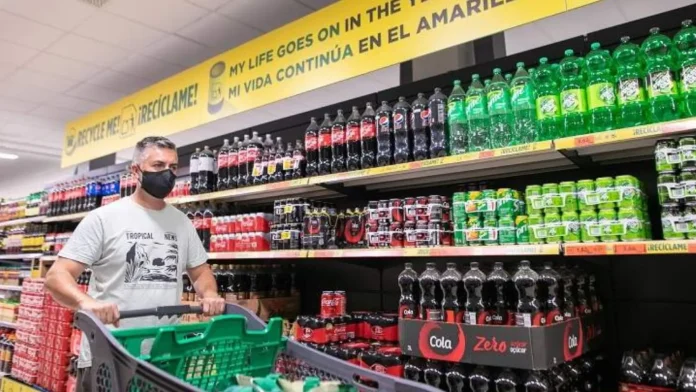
x,y
137,257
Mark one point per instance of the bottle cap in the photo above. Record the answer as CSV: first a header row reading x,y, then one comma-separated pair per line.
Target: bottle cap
x,y
595,45
625,39
520,65
543,60
568,52
655,30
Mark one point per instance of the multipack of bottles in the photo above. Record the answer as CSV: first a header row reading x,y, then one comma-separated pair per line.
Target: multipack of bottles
x,y
675,162
239,282
651,371
241,233
23,238
526,298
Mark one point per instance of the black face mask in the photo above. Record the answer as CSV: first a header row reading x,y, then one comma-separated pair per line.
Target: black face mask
x,y
158,184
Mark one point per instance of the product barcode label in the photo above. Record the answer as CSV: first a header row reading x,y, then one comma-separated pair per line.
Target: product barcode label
x,y
523,319
470,318
205,164
676,191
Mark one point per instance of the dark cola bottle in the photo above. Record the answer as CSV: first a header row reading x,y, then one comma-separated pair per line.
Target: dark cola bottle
x,y
324,142
537,381
312,147
420,125
288,162
451,284
275,161
434,374
193,171
242,161
480,379
568,306
260,171
592,296
507,381
474,311
591,378
499,309
456,379
528,311
635,367
403,137
408,301
581,282
206,176
664,371
437,105
560,380
368,144
687,376
353,151
223,165
385,135
233,164
338,143
254,150
413,369
429,282
549,285
299,161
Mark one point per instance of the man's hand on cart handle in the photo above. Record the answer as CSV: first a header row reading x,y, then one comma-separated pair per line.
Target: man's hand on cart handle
x,y
213,305
106,312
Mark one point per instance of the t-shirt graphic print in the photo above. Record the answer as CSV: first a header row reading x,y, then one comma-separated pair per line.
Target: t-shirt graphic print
x,y
150,259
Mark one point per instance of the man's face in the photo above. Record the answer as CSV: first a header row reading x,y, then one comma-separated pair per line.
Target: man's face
x,y
155,159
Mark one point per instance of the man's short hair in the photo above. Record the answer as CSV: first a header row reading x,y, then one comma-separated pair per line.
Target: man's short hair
x,y
151,141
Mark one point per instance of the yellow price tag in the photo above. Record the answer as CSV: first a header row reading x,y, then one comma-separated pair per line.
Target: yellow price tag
x,y
288,209
284,235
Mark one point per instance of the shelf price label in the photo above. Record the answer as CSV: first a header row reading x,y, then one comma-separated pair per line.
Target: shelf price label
x,y
630,248
588,249
667,247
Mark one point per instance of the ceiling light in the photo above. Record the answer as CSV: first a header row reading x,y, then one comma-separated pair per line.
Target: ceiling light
x,y
4,155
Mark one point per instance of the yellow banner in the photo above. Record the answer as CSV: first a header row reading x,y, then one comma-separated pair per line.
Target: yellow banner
x,y
341,41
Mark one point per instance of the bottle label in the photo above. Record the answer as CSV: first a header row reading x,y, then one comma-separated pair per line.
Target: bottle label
x,y
257,170
600,95
455,111
521,96
325,140
232,159
548,106
688,78
242,156
661,83
310,142
438,112
338,135
367,129
498,101
630,90
475,106
573,101
252,153
353,133
271,167
223,161
193,166
205,164
399,119
453,316
297,159
383,124
288,163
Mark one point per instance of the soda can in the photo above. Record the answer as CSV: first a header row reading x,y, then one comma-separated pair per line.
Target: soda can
x,y
490,197
505,202
606,217
671,220
474,203
422,208
339,298
396,235
687,182
327,304
506,230
536,222
586,193
396,210
459,200
588,220
446,209
522,229
434,208
532,192
409,234
553,225
571,221
605,186
434,233
460,234
633,224
666,155
552,203
474,222
667,188
569,194
687,152
410,209
490,236
629,189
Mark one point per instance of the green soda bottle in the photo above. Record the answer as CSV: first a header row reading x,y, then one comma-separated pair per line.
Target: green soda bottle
x,y
548,106
573,97
508,78
660,82
685,42
523,106
500,111
601,89
456,118
630,74
477,115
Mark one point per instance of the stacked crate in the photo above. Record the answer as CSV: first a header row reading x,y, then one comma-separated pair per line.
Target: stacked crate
x,y
26,362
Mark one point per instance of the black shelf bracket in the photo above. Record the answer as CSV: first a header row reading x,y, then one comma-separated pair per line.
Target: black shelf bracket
x,y
355,192
583,162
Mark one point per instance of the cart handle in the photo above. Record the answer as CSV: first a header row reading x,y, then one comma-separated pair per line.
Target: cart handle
x,y
161,311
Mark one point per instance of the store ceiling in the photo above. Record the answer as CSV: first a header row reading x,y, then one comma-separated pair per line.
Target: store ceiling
x,y
60,59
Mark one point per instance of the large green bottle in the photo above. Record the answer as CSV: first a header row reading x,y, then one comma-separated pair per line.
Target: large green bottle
x,y
548,106
573,97
630,74
477,115
500,111
660,82
456,118
601,89
685,42
523,106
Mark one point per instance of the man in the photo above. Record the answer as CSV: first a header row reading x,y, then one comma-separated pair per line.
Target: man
x,y
137,249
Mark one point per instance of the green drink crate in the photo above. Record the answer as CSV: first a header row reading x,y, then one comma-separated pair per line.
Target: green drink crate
x,y
207,356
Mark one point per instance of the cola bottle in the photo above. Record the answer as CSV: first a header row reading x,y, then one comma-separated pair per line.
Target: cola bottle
x,y
353,140
198,220
548,284
408,302
451,284
499,309
260,171
253,160
568,301
528,311
473,284
433,374
288,162
581,299
456,379
634,367
687,376
368,146
215,170
312,147
480,379
324,142
507,381
205,225
278,162
338,143
664,372
299,161
591,379
233,164
437,106
193,171
385,135
403,137
537,381
242,154
420,125
429,282
592,293
413,369
559,379
205,170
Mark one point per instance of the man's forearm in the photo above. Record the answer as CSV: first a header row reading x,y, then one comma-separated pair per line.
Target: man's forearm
x,y
205,284
61,284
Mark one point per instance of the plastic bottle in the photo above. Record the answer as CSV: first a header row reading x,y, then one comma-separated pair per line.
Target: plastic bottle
x,y
451,284
522,99
299,161
660,81
499,309
434,374
500,111
685,43
473,284
338,143
429,282
528,311
549,284
276,172
548,104
193,171
568,301
254,149
456,119
312,147
439,139
420,124
403,135
477,115
324,142
630,84
205,170
353,140
242,159
223,165
385,135
233,164
537,381
507,381
368,145
581,290
573,96
408,283
480,379
456,378
288,162
601,89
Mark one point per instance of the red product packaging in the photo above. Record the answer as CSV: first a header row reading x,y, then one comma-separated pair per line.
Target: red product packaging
x,y
59,328
58,371
71,384
75,341
385,327
61,343
362,327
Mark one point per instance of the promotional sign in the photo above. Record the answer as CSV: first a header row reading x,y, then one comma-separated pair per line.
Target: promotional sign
x,y
341,41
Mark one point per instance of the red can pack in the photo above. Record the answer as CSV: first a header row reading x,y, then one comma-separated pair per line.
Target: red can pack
x,y
385,327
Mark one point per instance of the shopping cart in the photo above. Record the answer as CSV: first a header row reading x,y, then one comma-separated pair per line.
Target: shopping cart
x,y
205,356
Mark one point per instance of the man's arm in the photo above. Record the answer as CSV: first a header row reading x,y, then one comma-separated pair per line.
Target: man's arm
x,y
206,288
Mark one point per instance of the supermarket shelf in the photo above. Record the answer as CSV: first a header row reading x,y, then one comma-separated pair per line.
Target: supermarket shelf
x,y
7,324
630,248
10,287
48,258
260,193
21,256
66,218
13,222
278,254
